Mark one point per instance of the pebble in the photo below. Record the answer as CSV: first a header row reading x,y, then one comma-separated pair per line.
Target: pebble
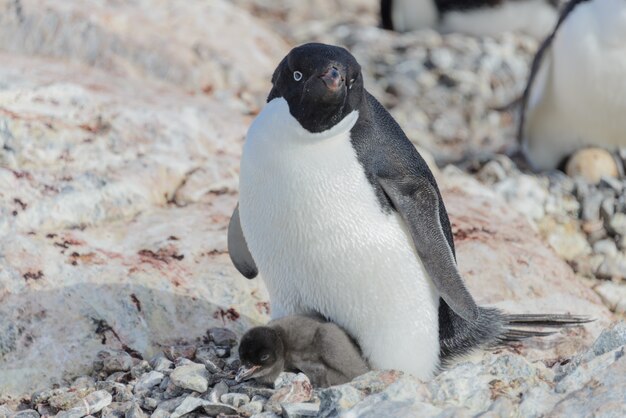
x,y
209,358
605,246
214,409
592,164
176,351
191,376
115,360
290,389
613,267
188,405
300,410
266,415
134,411
27,413
218,391
251,408
161,364
617,225
149,381
150,404
222,337
614,295
91,404
235,399
140,368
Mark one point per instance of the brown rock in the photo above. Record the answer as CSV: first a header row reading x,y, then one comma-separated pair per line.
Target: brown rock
x,y
592,164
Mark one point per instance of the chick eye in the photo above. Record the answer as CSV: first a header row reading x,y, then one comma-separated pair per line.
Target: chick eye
x,y
265,357
297,75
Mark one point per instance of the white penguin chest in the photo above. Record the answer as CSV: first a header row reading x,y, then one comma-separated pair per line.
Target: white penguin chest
x,y
315,227
589,67
323,243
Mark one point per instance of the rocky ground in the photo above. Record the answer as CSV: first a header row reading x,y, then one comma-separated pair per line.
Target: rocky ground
x,y
118,172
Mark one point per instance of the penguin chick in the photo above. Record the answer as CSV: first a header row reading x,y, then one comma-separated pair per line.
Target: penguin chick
x,y
321,350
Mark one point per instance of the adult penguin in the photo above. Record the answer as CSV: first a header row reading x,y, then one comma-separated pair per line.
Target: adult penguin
x,y
576,94
473,17
342,217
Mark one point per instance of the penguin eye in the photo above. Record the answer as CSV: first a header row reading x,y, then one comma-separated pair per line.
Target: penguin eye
x,y
266,357
297,75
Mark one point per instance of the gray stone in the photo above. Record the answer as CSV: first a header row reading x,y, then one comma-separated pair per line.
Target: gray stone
x,y
214,409
161,364
148,381
617,225
591,204
284,379
222,337
5,412
303,410
150,403
140,368
610,339
135,411
235,399
222,352
26,413
160,413
337,399
266,415
217,392
84,383
191,376
171,404
588,370
209,358
613,267
188,405
115,360
254,407
43,395
605,246
91,404
254,390
602,396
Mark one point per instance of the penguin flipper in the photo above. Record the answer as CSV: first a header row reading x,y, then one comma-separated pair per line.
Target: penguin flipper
x,y
238,248
417,202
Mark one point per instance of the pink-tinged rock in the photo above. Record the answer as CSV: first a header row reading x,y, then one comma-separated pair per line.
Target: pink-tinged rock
x,y
200,45
506,264
294,390
93,253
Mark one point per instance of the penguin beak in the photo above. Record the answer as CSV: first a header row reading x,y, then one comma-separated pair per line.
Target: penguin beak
x,y
245,372
332,78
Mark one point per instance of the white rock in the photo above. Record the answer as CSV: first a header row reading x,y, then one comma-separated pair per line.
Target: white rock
x,y
148,381
191,376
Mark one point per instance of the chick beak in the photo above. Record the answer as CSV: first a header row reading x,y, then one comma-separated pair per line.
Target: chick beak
x,y
245,372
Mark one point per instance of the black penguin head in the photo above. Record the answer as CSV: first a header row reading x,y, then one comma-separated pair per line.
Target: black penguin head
x,y
262,355
321,83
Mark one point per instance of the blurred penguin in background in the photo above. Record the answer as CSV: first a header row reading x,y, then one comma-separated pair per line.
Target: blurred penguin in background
x,y
576,92
473,17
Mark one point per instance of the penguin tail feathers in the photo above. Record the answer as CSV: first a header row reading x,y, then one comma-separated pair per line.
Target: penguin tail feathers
x,y
529,322
495,328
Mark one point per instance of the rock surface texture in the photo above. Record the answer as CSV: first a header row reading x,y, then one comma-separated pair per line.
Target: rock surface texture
x,y
121,127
